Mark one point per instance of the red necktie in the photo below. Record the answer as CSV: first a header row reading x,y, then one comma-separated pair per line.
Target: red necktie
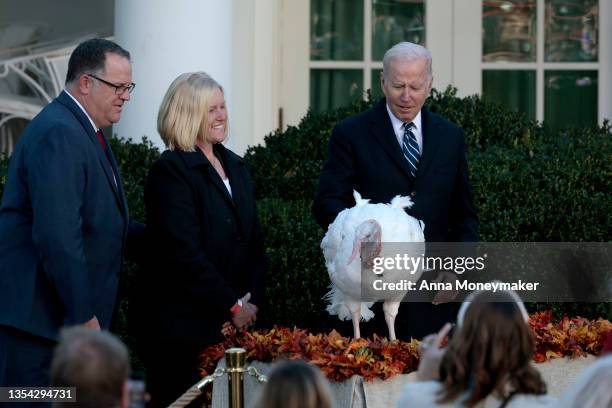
x,y
106,152
103,143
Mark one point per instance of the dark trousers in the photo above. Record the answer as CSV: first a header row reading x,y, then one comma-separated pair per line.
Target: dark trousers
x,y
172,367
25,360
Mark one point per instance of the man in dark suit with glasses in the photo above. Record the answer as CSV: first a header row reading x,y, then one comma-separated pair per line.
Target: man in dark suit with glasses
x,y
64,219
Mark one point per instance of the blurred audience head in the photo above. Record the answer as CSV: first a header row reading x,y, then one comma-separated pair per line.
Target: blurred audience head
x,y
491,350
96,363
592,388
295,384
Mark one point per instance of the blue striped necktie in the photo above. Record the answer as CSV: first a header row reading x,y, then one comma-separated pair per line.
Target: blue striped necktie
x,y
410,148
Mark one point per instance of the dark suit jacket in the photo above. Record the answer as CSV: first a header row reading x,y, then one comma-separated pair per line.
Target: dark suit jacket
x,y
63,225
206,246
364,155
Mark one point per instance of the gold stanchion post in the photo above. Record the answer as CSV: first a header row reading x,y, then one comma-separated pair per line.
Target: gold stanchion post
x,y
235,359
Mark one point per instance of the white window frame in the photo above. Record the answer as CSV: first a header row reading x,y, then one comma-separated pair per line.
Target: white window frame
x,y
453,30
467,71
367,64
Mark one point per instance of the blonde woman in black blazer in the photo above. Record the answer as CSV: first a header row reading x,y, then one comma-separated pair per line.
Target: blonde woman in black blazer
x,y
207,256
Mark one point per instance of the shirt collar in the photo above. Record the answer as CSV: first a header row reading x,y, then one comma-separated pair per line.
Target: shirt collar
x,y
398,124
83,109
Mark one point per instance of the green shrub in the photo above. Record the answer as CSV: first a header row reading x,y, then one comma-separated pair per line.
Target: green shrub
x,y
289,163
557,190
529,185
134,161
297,280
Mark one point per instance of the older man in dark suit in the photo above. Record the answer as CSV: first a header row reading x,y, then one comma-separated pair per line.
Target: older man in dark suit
x,y
399,147
64,217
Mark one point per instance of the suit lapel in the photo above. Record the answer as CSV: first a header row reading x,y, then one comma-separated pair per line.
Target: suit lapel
x,y
383,131
216,180
198,159
431,142
67,101
119,187
233,169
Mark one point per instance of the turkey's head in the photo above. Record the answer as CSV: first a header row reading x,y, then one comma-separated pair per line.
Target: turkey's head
x,y
368,232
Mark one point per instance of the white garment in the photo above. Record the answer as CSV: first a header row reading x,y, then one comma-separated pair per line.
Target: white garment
x,y
227,185
398,128
424,394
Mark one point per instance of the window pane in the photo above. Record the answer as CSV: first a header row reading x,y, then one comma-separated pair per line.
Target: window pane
x,y
377,92
336,30
571,30
332,88
509,30
570,98
395,21
512,88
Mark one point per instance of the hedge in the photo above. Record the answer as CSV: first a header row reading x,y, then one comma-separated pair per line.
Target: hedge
x,y
529,185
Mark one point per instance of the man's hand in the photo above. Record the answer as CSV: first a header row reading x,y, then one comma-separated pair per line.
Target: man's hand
x,y
431,355
445,296
247,314
92,323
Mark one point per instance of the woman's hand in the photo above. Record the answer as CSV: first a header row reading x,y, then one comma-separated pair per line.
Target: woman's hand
x,y
431,355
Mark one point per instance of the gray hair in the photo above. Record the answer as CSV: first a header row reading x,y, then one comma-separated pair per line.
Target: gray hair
x,y
95,362
406,51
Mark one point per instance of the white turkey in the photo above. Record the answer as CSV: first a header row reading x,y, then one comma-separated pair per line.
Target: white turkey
x,y
379,225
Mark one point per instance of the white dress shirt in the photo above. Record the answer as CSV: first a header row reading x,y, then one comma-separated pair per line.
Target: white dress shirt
x,y
398,128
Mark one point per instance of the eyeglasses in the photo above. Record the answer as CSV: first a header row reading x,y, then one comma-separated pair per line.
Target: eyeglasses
x,y
119,89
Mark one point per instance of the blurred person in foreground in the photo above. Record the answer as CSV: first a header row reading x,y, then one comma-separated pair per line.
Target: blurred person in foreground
x,y
96,363
487,362
592,388
295,384
207,259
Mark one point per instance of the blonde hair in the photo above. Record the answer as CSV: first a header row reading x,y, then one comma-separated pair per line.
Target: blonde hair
x,y
295,384
184,110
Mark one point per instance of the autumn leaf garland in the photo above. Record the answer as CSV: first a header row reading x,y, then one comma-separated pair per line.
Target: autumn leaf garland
x,y
570,337
341,357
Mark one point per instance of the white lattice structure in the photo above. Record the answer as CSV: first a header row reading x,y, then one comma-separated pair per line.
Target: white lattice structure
x,y
27,84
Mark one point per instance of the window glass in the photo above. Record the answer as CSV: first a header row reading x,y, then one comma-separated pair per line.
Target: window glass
x,y
333,88
509,30
514,89
395,21
571,30
570,98
377,92
336,30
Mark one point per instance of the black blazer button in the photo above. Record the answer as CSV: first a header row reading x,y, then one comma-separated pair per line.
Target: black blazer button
x,y
413,193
